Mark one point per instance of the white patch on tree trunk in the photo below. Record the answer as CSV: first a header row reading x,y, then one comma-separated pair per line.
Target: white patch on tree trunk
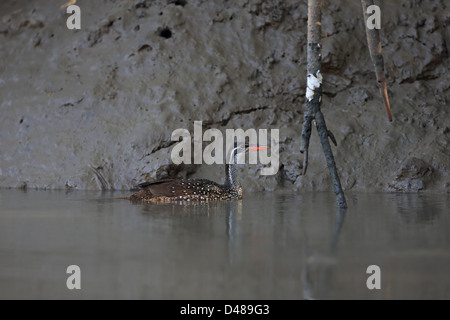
x,y
312,83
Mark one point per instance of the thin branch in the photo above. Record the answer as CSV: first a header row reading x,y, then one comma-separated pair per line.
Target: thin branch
x,y
314,99
374,44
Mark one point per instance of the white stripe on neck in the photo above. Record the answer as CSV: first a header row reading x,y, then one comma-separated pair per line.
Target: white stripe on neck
x,y
233,160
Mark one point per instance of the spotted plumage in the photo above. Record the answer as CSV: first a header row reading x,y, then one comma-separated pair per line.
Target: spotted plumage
x,y
173,190
185,190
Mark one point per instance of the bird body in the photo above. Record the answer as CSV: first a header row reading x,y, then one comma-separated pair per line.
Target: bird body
x,y
185,190
170,190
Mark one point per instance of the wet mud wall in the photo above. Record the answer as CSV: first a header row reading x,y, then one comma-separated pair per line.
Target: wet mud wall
x,y
95,108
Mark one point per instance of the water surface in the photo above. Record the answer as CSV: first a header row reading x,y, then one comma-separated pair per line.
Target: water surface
x,y
267,246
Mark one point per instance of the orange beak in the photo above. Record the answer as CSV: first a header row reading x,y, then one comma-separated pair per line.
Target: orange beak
x,y
258,148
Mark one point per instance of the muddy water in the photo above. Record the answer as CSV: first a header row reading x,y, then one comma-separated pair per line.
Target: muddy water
x,y
268,246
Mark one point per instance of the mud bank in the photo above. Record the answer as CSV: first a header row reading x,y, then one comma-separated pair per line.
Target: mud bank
x,y
95,108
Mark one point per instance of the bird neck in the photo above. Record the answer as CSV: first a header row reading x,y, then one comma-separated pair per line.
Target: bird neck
x,y
231,175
